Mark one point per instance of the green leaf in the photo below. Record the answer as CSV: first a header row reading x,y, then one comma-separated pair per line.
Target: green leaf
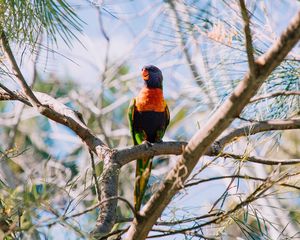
x,y
24,20
258,223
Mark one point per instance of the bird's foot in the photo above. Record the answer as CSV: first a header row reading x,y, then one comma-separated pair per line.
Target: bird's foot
x,y
147,143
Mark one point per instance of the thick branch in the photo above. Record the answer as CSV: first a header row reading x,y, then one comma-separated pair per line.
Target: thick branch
x,y
220,120
126,155
60,113
50,107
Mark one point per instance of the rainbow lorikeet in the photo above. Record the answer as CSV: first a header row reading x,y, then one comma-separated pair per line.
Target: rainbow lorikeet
x,y
149,117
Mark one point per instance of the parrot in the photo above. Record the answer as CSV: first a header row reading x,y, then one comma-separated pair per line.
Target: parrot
x,y
148,116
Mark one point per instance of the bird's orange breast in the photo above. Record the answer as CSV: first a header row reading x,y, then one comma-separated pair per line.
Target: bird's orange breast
x,y
150,99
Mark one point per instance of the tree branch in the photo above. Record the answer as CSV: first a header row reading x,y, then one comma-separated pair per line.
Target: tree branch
x,y
246,177
248,35
274,94
126,155
219,121
16,70
10,95
258,127
260,160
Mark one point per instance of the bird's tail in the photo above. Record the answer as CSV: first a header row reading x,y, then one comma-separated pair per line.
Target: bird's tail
x,y
143,170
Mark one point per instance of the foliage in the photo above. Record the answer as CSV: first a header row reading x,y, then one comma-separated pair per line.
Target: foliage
x,y
24,20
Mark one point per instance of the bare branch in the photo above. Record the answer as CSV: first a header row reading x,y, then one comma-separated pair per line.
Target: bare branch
x,y
126,155
219,121
52,108
246,177
103,75
60,113
274,94
168,232
248,35
260,160
99,204
13,131
10,95
19,76
255,128
187,220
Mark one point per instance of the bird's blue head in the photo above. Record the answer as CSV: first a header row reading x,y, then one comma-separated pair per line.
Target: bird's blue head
x,y
152,76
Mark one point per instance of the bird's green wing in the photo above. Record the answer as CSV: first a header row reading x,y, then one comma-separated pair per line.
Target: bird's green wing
x,y
137,137
167,114
143,166
130,114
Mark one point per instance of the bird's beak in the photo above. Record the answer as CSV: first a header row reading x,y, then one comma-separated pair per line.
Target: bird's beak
x,y
145,74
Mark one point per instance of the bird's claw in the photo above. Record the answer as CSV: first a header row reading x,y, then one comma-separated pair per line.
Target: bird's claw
x,y
147,143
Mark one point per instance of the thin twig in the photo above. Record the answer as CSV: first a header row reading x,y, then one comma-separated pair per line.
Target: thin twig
x,y
94,173
7,94
274,94
260,160
248,35
169,232
103,75
246,177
